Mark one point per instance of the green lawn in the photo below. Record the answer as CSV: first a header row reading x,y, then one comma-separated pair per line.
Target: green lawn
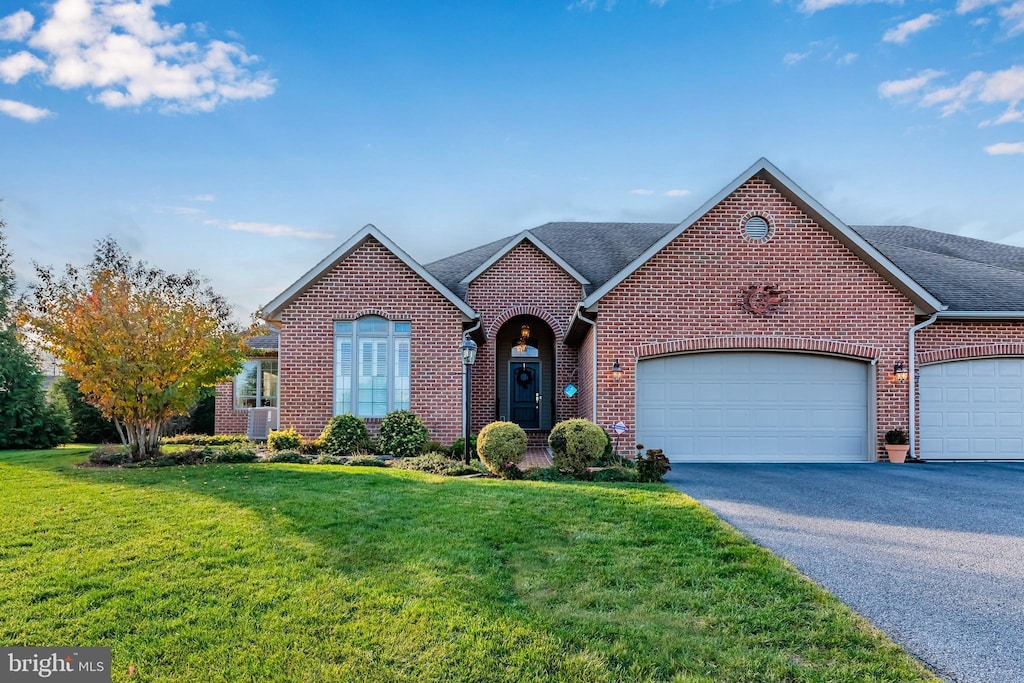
x,y
325,573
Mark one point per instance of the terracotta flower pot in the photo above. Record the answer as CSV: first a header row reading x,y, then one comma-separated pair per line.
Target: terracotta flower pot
x,y
897,453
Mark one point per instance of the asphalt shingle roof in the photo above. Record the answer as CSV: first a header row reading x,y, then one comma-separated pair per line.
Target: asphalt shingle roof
x,y
963,273
596,250
268,341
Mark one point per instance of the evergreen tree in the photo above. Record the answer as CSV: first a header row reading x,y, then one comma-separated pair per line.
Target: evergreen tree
x,y
89,424
26,419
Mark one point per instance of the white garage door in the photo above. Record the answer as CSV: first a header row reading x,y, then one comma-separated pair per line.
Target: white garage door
x,y
973,409
754,406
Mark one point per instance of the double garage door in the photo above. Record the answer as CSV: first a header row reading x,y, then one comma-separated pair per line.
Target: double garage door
x,y
972,409
754,406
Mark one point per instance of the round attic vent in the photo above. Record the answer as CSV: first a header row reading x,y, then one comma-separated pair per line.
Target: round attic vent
x,y
757,228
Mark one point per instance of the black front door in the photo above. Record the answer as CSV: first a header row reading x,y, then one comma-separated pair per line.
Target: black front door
x,y
524,387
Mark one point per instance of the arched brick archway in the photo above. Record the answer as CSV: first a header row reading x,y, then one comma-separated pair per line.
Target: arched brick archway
x,y
804,344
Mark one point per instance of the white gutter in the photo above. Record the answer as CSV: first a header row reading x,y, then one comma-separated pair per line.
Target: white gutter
x,y
913,383
981,315
593,372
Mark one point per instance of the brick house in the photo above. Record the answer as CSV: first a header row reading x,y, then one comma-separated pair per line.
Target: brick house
x,y
760,328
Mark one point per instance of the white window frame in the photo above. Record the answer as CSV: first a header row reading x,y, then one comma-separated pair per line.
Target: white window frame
x,y
395,334
259,397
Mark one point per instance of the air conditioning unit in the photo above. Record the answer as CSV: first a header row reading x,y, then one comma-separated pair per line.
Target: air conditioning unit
x,y
261,421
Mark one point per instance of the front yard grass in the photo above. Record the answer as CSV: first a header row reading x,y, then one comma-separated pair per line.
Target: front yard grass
x,y
317,573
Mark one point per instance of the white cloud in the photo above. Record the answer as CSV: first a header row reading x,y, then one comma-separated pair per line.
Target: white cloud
x,y
1001,148
791,58
203,198
16,26
824,51
126,57
642,192
19,65
1004,87
678,193
1013,18
908,85
812,6
25,112
270,229
966,6
902,32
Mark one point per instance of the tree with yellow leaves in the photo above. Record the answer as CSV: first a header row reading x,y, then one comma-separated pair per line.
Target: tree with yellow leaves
x,y
140,341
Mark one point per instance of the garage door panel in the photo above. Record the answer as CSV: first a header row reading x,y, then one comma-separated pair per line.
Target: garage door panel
x,y
748,406
973,409
1010,420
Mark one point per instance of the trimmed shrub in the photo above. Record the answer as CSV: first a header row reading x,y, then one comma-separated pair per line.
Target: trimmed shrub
x,y
309,447
207,439
233,453
287,456
616,473
344,435
434,447
458,448
545,474
576,443
436,463
652,466
110,456
284,439
402,434
501,445
330,460
366,461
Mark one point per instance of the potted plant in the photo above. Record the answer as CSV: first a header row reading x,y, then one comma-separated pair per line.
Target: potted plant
x,y
896,445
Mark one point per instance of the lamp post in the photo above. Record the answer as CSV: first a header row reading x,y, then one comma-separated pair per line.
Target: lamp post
x,y
468,358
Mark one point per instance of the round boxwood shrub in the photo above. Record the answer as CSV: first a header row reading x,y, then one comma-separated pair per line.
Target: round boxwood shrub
x,y
344,435
576,443
501,445
284,439
402,434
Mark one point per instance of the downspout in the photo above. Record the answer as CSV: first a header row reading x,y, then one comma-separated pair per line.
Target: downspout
x,y
593,370
911,374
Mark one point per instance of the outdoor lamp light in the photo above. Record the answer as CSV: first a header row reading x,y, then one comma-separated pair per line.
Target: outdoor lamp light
x,y
468,351
899,373
616,370
468,358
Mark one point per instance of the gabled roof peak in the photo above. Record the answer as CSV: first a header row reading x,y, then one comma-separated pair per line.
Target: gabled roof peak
x,y
524,236
273,309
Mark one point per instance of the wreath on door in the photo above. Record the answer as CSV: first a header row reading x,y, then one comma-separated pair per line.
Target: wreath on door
x,y
524,376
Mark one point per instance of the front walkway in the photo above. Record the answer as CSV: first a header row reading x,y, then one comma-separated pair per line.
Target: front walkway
x,y
536,457
932,553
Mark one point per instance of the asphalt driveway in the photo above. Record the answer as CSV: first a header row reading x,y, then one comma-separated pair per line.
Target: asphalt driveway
x,y
932,554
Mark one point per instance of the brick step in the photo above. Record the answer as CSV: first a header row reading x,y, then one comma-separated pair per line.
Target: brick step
x,y
537,438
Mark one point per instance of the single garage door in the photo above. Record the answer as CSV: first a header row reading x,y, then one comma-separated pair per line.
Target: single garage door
x,y
973,409
754,406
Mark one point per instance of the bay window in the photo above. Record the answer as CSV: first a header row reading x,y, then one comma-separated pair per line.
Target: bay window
x,y
371,366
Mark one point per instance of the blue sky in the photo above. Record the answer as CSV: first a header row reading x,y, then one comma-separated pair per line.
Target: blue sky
x,y
248,139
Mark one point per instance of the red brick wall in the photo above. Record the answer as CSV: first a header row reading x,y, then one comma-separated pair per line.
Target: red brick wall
x,y
371,281
692,289
524,282
227,420
949,339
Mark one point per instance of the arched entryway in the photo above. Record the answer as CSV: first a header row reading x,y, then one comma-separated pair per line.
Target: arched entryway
x,y
525,373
